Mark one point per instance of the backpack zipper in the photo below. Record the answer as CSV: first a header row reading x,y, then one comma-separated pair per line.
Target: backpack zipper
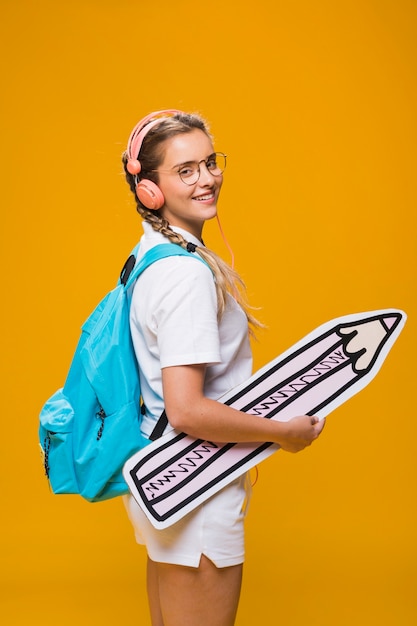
x,y
100,415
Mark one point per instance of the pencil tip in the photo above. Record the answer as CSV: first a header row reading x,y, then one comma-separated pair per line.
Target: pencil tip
x,y
390,320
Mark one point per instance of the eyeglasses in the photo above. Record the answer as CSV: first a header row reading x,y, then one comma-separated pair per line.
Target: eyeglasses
x,y
190,172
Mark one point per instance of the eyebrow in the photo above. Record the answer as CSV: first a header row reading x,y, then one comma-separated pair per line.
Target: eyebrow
x,y
192,161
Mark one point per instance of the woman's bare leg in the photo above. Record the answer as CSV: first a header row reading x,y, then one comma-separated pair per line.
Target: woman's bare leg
x,y
152,581
188,596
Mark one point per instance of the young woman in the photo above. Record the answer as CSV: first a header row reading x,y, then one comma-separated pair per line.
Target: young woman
x,y
189,323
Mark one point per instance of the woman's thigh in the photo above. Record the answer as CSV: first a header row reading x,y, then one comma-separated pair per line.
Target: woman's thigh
x,y
203,596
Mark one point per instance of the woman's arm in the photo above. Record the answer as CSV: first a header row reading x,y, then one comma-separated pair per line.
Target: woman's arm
x,y
189,411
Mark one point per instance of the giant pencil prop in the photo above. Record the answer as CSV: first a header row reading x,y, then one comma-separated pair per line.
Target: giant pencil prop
x,y
174,474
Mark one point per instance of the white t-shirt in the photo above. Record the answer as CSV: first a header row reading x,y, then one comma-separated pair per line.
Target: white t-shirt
x,y
173,320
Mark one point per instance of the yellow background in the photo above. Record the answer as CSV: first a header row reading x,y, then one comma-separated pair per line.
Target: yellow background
x,y
315,104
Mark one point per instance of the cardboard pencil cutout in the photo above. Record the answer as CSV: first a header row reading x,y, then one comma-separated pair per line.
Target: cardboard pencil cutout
x,y
173,475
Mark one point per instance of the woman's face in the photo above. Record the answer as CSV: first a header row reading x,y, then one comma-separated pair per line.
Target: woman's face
x,y
188,206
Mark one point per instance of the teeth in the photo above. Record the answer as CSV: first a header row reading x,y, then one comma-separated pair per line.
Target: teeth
x,y
206,197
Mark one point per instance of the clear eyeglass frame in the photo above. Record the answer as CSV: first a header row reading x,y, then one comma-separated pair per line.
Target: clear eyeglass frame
x,y
190,172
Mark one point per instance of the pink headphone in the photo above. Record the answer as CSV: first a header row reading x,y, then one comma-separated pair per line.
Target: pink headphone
x,y
146,190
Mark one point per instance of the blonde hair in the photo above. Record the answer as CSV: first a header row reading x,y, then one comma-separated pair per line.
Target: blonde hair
x,y
151,154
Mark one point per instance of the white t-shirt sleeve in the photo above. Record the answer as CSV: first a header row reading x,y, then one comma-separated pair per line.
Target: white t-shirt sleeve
x,y
176,308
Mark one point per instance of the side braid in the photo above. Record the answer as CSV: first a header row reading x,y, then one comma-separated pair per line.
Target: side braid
x,y
226,279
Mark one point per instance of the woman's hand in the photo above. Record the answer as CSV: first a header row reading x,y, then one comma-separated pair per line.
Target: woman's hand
x,y
300,432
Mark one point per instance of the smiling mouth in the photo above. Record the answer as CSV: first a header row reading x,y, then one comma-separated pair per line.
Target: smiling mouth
x,y
205,197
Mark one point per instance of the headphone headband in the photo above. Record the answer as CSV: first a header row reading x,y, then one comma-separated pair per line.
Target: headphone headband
x,y
142,128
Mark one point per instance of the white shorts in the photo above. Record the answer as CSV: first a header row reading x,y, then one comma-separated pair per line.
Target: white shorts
x,y
215,529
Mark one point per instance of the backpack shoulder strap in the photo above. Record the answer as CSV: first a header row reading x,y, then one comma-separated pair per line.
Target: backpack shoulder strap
x,y
159,251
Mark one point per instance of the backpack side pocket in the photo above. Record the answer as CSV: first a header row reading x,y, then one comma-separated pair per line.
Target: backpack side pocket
x,y
55,436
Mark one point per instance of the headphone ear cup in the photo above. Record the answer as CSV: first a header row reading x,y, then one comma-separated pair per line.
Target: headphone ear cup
x,y
150,195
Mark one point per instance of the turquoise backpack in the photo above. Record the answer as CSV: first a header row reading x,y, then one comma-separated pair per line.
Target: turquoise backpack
x,y
90,427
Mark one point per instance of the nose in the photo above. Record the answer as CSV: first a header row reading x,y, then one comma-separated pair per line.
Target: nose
x,y
206,177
